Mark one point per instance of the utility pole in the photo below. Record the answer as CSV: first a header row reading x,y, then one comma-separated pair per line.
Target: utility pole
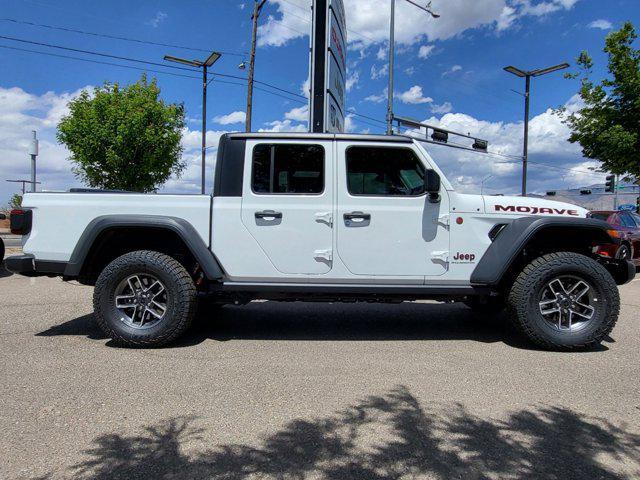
x,y
33,151
526,74
392,45
257,8
211,59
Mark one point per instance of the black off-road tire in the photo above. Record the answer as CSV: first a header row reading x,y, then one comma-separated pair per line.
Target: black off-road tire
x,y
181,299
525,294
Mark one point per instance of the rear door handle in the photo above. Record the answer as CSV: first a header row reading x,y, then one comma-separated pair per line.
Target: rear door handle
x,y
268,214
357,215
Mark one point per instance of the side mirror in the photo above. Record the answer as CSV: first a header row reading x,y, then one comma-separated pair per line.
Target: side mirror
x,y
432,185
3,216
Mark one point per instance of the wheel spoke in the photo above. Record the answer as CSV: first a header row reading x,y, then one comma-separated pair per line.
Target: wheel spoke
x,y
132,286
160,290
559,287
578,293
125,301
588,308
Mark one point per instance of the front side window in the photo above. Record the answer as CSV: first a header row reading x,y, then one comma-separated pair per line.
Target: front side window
x,y
292,169
384,171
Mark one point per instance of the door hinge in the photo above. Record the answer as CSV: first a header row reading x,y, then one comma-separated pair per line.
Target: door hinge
x,y
441,255
323,255
326,217
444,219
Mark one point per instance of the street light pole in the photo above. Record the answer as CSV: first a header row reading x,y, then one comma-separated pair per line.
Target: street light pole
x,y
211,59
204,128
392,44
527,74
257,7
525,147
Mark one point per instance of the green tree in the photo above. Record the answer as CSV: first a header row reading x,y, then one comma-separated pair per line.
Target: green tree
x,y
16,201
608,126
124,138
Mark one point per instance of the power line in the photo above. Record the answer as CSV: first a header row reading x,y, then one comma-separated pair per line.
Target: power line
x,y
116,37
137,60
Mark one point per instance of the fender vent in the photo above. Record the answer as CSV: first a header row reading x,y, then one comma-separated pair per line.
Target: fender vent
x,y
495,231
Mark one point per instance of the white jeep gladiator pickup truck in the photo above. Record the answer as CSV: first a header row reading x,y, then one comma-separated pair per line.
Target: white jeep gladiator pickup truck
x,y
325,217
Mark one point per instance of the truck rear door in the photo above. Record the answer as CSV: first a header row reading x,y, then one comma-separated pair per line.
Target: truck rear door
x,y
287,203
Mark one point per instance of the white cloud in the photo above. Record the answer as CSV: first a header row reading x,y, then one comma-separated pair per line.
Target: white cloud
x,y
368,21
21,112
157,20
445,107
383,53
284,126
352,80
425,51
413,96
299,114
554,162
378,98
294,21
376,73
305,88
231,118
410,70
454,69
602,24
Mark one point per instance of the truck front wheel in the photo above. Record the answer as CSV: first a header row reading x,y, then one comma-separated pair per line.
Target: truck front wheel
x,y
144,298
564,301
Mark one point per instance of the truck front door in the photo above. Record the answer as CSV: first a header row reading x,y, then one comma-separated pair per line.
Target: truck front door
x,y
386,225
287,203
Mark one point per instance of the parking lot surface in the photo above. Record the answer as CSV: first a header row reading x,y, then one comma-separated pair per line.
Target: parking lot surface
x,y
317,391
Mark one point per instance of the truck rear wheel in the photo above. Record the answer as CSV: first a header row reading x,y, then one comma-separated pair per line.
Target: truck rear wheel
x,y
144,298
564,301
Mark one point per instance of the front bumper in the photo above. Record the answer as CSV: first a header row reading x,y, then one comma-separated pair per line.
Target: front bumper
x,y
28,266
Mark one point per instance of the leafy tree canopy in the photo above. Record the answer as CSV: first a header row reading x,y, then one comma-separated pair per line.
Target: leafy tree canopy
x,y
124,138
608,126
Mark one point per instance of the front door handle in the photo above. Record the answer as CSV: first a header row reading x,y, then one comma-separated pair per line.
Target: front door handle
x,y
357,215
268,214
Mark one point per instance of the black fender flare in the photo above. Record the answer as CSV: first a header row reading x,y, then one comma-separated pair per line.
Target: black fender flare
x,y
179,226
514,237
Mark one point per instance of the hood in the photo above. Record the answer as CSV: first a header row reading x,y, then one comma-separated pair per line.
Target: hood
x,y
522,206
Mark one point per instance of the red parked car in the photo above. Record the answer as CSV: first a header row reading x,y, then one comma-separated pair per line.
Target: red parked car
x,y
627,224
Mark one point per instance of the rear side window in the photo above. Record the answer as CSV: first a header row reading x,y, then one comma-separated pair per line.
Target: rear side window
x,y
627,220
384,171
636,218
292,169
600,216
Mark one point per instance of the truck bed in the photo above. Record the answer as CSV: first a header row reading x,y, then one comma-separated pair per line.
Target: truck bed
x,y
68,214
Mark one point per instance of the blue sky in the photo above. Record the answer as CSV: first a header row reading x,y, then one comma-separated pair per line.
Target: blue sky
x,y
448,71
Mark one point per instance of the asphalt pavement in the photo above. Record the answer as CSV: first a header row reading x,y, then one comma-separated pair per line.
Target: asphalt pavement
x,y
310,391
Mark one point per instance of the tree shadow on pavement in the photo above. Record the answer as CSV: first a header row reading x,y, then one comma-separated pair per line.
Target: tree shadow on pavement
x,y
389,436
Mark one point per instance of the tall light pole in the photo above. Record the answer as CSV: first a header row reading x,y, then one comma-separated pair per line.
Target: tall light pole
x,y
211,59
527,74
392,45
33,151
257,8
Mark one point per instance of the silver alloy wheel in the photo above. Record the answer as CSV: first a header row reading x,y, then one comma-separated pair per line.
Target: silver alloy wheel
x,y
568,303
141,300
623,253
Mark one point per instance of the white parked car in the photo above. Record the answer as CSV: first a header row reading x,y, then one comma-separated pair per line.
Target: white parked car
x,y
341,217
